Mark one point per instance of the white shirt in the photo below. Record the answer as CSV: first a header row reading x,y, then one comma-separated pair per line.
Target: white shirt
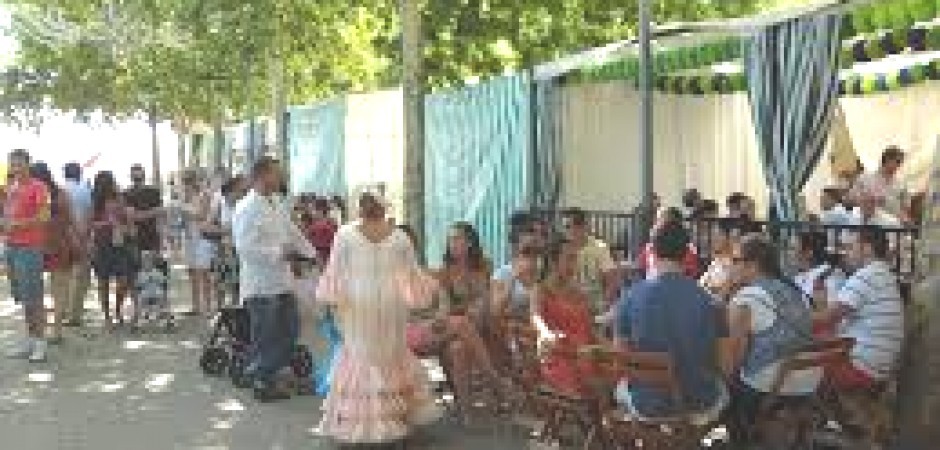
x,y
837,215
876,321
880,219
890,191
759,302
262,232
80,200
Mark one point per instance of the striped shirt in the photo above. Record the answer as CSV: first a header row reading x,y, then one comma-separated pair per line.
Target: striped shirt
x,y
876,320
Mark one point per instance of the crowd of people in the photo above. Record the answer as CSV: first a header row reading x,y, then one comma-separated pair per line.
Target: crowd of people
x,y
727,329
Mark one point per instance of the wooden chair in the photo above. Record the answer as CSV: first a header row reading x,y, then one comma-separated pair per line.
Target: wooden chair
x,y
790,421
630,431
868,414
436,350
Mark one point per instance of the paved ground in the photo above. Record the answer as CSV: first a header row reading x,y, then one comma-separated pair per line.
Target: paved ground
x,y
143,392
146,392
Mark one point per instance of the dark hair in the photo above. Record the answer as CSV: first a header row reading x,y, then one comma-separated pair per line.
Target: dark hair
x,y
691,198
262,166
520,222
892,153
229,186
815,243
833,192
671,242
321,205
40,171
20,153
519,219
576,215
735,200
672,215
876,237
475,255
762,252
104,188
708,207
553,251
72,171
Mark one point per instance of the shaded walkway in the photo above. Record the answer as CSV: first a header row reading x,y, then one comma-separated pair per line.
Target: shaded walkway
x,y
146,392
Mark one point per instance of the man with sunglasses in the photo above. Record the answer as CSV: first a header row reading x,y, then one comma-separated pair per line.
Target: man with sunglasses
x,y
597,272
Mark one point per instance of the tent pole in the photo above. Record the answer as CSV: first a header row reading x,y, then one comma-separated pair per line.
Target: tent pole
x,y
646,109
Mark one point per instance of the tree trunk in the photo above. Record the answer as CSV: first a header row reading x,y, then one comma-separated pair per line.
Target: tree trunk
x,y
155,148
413,78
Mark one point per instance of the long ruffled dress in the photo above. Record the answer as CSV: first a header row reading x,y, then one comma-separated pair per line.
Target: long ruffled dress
x,y
379,390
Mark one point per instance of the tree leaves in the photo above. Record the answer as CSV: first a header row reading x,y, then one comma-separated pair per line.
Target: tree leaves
x,y
202,59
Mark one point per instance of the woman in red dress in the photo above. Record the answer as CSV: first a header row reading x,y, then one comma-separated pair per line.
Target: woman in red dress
x,y
564,321
321,229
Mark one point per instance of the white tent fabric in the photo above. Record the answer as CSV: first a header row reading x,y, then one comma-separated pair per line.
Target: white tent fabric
x,y
375,146
705,142
708,143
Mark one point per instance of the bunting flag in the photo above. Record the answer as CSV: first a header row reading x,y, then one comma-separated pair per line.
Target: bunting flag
x,y
870,33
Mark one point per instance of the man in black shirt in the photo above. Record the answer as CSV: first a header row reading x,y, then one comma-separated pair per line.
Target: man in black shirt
x,y
147,203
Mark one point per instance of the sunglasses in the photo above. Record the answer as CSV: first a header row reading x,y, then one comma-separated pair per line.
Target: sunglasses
x,y
739,259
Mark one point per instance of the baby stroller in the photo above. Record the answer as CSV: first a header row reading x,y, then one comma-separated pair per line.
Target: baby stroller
x,y
227,350
152,288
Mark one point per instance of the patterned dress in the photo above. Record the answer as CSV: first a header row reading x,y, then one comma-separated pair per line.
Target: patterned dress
x,y
567,314
379,390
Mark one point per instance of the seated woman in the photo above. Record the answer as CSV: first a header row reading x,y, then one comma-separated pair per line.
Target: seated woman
x,y
561,313
512,286
768,323
818,278
463,310
717,278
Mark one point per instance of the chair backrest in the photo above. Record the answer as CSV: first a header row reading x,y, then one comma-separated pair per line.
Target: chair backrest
x,y
815,355
653,369
522,340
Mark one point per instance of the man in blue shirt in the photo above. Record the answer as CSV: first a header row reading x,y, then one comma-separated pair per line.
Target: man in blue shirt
x,y
672,314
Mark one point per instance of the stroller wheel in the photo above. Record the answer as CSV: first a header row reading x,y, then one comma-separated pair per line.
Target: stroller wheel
x,y
214,361
237,367
302,362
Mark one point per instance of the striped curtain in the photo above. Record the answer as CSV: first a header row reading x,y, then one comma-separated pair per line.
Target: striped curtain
x,y
792,84
316,145
547,164
476,159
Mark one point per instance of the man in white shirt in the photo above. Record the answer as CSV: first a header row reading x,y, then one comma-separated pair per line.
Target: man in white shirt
x,y
868,213
868,308
80,201
267,241
884,185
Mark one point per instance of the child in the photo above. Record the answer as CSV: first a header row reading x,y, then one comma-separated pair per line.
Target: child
x,y
151,288
226,272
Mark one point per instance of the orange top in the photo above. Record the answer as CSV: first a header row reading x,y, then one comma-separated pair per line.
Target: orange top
x,y
26,201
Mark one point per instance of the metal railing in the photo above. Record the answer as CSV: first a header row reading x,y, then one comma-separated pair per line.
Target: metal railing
x,y
623,233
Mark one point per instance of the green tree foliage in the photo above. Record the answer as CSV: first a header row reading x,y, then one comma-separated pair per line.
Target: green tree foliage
x,y
199,59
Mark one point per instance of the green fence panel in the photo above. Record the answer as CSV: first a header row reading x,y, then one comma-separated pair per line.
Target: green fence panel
x,y
476,162
316,143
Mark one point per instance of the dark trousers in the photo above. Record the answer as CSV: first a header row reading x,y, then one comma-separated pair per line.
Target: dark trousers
x,y
275,325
